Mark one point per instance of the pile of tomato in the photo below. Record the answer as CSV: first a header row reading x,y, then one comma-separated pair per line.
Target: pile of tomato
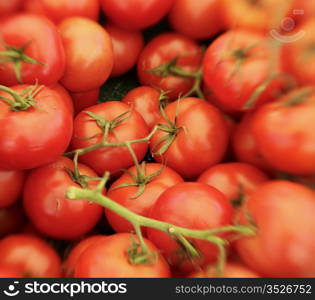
x,y
206,168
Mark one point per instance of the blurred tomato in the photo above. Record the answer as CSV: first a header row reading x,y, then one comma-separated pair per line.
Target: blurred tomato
x,y
84,100
12,219
9,6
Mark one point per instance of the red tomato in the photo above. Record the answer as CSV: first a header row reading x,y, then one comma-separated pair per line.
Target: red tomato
x,y
65,95
146,101
108,258
235,180
284,133
30,255
9,272
197,19
136,14
11,185
283,212
240,70
127,46
85,99
47,207
88,133
73,257
195,206
38,39
58,10
200,138
37,135
143,203
11,219
89,54
163,49
301,11
9,7
231,270
298,57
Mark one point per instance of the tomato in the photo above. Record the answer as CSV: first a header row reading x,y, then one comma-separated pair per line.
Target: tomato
x,y
87,132
108,258
73,257
30,255
141,204
283,212
197,19
244,145
301,11
239,68
231,270
9,272
11,185
85,99
200,137
48,208
235,180
127,46
36,135
9,7
298,57
284,132
146,101
29,37
195,206
89,54
11,219
136,14
59,10
162,49
65,95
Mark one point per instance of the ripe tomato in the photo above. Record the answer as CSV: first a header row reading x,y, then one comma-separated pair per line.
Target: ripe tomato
x,y
73,257
30,255
47,207
197,19
231,270
59,10
27,37
239,68
37,135
9,272
298,57
127,46
9,7
89,54
87,133
195,206
143,203
136,14
283,212
85,99
11,219
163,49
235,180
146,101
65,95
284,132
11,185
200,137
108,258
301,11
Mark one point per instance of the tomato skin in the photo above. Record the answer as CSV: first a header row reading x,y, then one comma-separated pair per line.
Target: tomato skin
x,y
85,99
89,54
45,45
35,136
73,257
107,258
284,214
191,205
234,180
65,95
196,19
11,185
9,7
144,203
127,46
308,8
48,208
231,270
30,255
9,272
12,219
284,133
233,85
112,159
136,14
145,100
59,10
163,49
202,142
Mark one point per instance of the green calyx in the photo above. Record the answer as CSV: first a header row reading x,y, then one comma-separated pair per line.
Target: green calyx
x,y
299,96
